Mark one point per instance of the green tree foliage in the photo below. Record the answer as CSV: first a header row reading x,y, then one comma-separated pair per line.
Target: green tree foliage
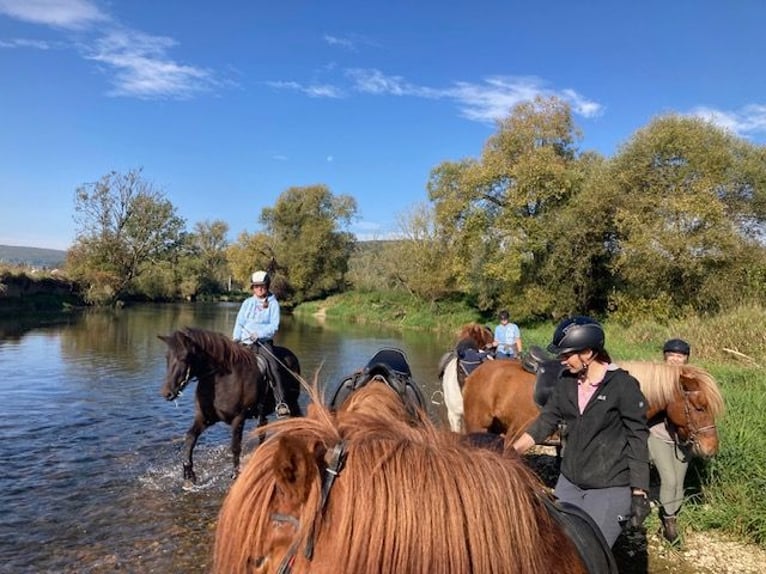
x,y
418,257
207,268
689,215
125,226
251,252
496,214
307,230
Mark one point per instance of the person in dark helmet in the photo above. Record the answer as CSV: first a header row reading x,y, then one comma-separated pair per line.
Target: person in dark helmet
x,y
507,342
604,465
256,324
669,456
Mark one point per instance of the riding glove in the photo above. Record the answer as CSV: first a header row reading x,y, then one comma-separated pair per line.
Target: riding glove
x,y
639,510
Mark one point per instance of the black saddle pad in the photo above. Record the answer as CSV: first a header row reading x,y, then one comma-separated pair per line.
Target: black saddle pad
x,y
548,375
389,365
584,534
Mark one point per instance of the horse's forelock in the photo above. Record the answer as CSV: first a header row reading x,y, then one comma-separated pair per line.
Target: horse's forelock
x,y
707,385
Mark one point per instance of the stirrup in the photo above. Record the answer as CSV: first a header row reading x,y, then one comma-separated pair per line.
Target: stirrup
x,y
282,410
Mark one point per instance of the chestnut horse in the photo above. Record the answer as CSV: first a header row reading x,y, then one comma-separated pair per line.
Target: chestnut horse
x,y
688,395
498,397
365,490
453,374
231,385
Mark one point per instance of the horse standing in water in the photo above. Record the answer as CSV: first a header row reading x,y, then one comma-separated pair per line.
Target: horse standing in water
x,y
232,385
453,370
367,488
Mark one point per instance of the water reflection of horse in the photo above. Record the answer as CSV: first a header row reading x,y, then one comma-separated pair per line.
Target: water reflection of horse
x,y
231,385
498,397
365,488
453,373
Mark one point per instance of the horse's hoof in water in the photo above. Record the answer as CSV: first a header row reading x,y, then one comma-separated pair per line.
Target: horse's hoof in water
x,y
189,475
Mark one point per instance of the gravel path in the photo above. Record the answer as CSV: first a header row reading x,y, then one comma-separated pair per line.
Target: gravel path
x,y
709,552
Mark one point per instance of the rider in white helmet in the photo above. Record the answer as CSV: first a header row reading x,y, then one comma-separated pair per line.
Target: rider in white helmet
x,y
257,323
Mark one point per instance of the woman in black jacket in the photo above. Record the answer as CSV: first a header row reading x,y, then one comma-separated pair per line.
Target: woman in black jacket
x,y
605,463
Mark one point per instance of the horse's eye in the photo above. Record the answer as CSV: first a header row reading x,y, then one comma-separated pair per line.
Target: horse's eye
x,y
256,562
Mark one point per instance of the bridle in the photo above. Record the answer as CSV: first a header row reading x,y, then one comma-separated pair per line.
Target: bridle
x,y
693,432
335,460
188,377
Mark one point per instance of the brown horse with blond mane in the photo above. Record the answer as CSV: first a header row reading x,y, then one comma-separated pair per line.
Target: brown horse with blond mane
x,y
498,397
371,490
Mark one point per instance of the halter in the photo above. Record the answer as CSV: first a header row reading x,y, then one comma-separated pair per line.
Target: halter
x,y
335,464
188,378
691,440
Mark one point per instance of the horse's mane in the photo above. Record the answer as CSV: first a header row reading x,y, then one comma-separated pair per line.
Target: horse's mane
x,y
660,382
410,498
219,348
481,334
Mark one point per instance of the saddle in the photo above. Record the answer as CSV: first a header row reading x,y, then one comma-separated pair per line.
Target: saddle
x,y
547,370
387,365
584,534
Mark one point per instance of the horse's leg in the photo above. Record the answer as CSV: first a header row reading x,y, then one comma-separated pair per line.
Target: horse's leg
x,y
237,427
262,420
191,440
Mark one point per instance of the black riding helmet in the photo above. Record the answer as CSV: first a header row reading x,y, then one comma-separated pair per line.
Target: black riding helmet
x,y
677,346
575,334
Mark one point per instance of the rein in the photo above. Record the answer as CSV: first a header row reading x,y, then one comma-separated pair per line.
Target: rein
x,y
337,457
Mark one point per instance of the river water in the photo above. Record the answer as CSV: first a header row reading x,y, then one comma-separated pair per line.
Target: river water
x,y
91,454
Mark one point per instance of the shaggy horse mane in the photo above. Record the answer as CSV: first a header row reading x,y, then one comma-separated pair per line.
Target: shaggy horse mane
x,y
481,334
410,498
219,348
660,382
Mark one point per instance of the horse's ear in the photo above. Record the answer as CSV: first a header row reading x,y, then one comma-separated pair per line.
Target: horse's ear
x,y
163,338
295,468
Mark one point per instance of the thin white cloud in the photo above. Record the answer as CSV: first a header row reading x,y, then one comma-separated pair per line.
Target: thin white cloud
x,y
69,14
279,157
142,68
485,102
313,90
330,159
138,64
748,120
25,43
338,41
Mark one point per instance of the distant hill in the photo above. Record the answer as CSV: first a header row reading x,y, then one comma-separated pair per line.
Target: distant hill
x,y
33,256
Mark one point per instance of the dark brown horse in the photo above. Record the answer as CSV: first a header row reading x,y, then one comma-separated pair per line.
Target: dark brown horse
x,y
362,489
498,397
231,385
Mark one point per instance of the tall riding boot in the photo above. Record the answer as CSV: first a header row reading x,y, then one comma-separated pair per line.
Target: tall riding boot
x,y
280,408
669,527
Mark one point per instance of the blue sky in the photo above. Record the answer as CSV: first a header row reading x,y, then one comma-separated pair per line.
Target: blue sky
x,y
227,104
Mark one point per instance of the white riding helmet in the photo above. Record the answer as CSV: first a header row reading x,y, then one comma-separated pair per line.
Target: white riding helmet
x,y
260,278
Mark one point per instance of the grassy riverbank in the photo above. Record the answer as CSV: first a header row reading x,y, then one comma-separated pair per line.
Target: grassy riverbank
x,y
725,493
